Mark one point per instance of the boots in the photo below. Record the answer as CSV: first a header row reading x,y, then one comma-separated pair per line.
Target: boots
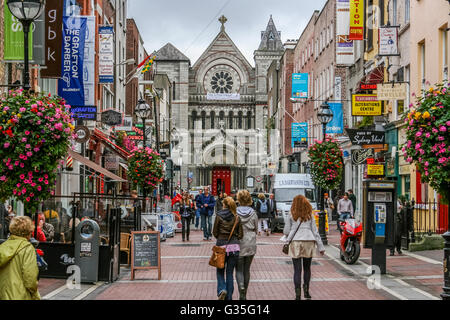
x,y
298,294
242,294
306,291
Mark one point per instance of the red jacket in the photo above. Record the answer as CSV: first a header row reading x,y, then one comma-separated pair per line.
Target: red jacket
x,y
40,235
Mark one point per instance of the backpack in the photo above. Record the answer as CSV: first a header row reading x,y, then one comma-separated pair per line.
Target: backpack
x,y
264,208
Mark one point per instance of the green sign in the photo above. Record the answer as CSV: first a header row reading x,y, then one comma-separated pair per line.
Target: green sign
x,y
14,38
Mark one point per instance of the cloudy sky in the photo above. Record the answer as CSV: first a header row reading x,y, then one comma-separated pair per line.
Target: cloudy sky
x,y
191,25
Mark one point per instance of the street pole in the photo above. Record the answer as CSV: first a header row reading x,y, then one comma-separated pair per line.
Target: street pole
x,y
145,144
446,294
322,215
26,71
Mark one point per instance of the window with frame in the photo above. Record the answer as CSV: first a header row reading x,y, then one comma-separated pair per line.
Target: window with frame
x,y
407,11
444,44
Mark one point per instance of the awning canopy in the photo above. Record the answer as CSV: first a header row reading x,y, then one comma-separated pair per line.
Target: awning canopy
x,y
114,147
78,157
374,77
123,166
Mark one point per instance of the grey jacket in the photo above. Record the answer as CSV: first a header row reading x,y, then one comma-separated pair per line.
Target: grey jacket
x,y
249,220
307,232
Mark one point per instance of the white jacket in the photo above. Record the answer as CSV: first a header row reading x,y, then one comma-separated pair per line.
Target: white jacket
x,y
307,232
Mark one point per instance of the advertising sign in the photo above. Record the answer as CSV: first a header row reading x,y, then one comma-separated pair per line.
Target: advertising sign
x,y
39,40
300,135
300,85
344,46
70,85
356,20
53,38
106,54
126,125
388,91
83,134
375,170
111,117
361,156
366,137
84,113
336,126
338,88
14,38
388,43
89,62
366,105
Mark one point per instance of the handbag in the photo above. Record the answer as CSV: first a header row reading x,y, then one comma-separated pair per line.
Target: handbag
x,y
287,245
218,256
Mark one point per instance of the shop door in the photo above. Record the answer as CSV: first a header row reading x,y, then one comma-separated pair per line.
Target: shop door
x,y
221,181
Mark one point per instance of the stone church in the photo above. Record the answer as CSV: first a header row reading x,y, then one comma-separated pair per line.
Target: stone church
x,y
219,112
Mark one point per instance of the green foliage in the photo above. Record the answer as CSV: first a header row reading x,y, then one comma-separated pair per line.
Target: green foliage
x,y
145,169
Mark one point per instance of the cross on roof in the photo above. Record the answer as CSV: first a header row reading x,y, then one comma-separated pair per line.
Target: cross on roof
x,y
223,20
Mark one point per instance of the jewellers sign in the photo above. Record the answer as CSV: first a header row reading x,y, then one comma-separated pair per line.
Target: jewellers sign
x,y
366,137
360,156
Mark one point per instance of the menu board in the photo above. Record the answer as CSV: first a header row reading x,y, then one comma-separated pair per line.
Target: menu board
x,y
145,252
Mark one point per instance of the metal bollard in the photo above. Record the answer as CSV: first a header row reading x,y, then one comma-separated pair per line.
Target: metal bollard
x,y
322,232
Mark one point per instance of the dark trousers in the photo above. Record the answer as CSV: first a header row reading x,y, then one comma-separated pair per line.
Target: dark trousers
x,y
225,279
243,272
298,271
185,227
206,226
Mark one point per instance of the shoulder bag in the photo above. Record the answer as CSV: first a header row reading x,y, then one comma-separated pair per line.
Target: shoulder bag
x,y
218,255
286,246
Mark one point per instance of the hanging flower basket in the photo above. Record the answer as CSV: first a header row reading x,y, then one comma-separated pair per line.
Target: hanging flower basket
x,y
35,133
326,164
145,169
428,138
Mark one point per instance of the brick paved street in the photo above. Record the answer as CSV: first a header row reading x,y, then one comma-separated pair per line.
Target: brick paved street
x,y
186,275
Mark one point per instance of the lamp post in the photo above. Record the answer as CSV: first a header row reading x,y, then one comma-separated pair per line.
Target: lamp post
x,y
143,111
325,116
26,11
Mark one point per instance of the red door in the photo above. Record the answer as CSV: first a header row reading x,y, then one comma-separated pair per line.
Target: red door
x,y
221,181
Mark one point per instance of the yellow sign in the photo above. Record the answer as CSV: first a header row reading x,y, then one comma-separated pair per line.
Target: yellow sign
x,y
375,170
356,20
366,105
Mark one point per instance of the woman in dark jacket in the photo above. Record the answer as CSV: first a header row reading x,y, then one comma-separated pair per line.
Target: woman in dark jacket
x,y
186,212
227,222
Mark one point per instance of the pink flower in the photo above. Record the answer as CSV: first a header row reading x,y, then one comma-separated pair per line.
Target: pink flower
x,y
24,140
410,160
442,160
27,133
29,154
39,188
448,123
443,129
418,134
418,146
22,165
22,110
441,138
3,178
28,146
46,181
22,176
435,130
428,135
6,145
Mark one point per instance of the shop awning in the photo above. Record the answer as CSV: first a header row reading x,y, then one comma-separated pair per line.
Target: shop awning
x,y
111,145
78,157
123,165
374,77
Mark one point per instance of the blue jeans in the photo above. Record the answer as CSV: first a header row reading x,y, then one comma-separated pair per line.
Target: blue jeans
x,y
197,218
206,226
228,283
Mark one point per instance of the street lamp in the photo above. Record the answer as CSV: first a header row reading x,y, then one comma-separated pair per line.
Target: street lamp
x,y
26,11
144,112
325,116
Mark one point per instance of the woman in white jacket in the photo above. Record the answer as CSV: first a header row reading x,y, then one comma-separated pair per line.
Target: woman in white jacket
x,y
302,233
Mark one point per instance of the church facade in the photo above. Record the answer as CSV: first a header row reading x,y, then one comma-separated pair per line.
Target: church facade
x,y
219,112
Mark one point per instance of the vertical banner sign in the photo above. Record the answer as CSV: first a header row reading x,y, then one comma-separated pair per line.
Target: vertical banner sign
x,y
106,54
14,38
338,88
70,85
89,62
300,135
53,38
300,85
344,46
356,20
39,40
388,44
336,126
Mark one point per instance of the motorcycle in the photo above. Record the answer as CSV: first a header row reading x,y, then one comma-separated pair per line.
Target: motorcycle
x,y
351,234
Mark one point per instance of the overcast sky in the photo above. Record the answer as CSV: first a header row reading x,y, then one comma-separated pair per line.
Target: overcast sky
x,y
191,25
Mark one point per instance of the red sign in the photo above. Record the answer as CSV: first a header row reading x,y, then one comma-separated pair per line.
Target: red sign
x,y
369,86
370,161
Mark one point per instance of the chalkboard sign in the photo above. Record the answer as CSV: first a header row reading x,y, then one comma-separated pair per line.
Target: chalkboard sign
x,y
145,252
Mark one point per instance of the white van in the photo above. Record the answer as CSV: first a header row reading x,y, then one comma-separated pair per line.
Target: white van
x,y
286,187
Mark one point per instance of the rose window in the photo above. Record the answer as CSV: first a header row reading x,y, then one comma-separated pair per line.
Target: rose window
x,y
222,82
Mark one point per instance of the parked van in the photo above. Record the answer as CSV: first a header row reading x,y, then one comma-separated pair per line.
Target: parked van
x,y
285,188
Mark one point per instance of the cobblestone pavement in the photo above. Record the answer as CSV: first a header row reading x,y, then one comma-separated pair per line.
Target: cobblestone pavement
x,y
186,275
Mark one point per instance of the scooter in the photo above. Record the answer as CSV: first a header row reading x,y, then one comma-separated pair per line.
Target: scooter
x,y
351,234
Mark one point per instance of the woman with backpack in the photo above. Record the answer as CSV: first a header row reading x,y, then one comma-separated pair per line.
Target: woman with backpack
x,y
186,212
263,211
303,236
228,231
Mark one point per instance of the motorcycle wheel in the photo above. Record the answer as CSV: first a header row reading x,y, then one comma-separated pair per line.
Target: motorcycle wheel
x,y
353,256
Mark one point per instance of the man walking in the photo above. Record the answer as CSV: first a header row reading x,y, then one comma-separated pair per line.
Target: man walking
x,y
197,208
207,204
352,198
273,210
345,209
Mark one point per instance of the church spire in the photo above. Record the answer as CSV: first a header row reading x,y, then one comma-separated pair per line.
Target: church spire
x,y
271,38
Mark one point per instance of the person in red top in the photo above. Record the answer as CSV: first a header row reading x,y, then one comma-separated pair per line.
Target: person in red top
x,y
40,236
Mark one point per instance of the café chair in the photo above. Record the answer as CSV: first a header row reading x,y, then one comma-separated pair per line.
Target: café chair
x,y
125,244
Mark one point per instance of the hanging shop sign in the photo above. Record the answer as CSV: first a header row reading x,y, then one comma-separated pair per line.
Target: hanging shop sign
x,y
13,41
300,135
356,20
53,38
83,134
389,91
112,162
366,105
345,53
361,156
366,137
89,76
126,125
336,126
111,118
375,170
388,41
84,113
300,85
364,86
39,40
106,54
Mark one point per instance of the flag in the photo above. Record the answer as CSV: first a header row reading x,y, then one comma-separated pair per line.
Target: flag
x,y
148,66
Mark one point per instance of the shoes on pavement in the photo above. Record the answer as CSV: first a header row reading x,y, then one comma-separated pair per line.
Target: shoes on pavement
x,y
400,252
222,295
298,294
205,239
306,292
267,233
392,253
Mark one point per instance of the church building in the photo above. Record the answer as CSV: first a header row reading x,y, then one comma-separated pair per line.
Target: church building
x,y
219,112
